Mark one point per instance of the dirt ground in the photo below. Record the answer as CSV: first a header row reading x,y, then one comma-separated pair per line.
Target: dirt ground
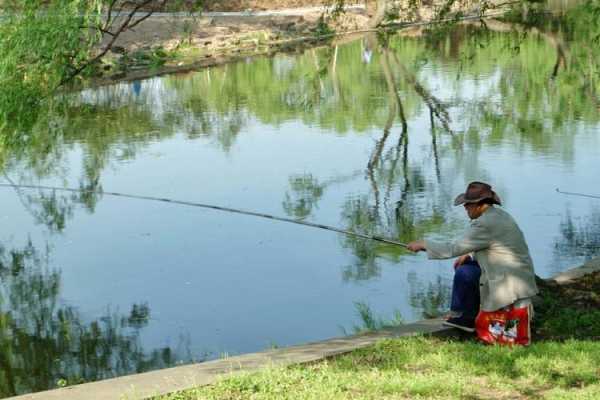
x,y
169,31
211,33
187,43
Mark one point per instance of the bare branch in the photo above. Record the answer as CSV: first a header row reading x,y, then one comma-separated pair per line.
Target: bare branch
x,y
98,28
148,14
109,12
127,24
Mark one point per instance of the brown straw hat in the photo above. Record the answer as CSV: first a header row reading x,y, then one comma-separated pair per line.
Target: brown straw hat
x,y
476,192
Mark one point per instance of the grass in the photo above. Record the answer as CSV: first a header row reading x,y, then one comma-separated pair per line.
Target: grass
x,y
428,368
570,310
564,365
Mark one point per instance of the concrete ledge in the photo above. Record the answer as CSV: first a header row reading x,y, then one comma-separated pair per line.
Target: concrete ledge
x,y
141,386
575,273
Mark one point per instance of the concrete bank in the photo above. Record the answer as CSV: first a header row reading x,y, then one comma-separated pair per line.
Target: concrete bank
x,y
141,386
575,273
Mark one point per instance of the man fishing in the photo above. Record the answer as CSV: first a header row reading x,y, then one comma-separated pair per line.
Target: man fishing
x,y
494,301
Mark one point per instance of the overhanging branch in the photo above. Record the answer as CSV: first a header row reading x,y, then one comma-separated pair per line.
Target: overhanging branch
x,y
128,23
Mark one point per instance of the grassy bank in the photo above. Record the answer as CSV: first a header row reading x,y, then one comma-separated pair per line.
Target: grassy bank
x,y
563,363
427,368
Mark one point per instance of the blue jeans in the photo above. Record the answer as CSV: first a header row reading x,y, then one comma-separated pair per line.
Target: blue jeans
x,y
465,289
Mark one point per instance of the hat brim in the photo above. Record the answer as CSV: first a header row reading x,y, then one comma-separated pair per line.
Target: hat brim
x,y
462,199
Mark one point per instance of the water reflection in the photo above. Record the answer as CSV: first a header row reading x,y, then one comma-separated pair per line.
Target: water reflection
x,y
580,237
370,322
53,209
43,342
432,299
304,195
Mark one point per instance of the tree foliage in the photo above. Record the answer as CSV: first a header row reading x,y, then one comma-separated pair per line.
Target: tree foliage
x,y
41,44
47,44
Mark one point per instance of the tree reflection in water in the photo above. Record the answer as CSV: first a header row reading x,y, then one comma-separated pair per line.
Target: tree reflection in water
x,y
379,213
370,322
304,195
43,342
433,301
579,238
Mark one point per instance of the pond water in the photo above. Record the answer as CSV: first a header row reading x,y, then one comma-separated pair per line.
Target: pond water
x,y
377,141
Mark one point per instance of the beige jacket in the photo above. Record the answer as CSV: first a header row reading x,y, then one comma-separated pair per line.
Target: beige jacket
x,y
499,247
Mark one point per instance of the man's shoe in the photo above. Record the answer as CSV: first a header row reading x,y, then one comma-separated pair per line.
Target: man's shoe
x,y
462,323
452,314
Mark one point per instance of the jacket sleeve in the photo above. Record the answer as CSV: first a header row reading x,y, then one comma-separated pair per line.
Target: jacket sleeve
x,y
476,237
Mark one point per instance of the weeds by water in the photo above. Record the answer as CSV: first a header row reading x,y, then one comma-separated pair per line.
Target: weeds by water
x,y
370,322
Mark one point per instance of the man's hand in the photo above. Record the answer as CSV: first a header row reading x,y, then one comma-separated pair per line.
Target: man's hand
x,y
461,260
416,246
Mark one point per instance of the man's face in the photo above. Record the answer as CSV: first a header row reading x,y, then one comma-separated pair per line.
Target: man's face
x,y
473,210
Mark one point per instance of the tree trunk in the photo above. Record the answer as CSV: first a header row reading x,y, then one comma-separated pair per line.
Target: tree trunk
x,y
378,15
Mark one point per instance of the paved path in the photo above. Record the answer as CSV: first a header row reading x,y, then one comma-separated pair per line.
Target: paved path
x,y
169,380
286,12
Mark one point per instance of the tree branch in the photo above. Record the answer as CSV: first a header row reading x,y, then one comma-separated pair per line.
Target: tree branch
x,y
127,24
148,14
109,12
98,28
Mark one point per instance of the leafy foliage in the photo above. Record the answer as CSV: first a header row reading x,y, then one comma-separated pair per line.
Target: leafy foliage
x,y
41,44
47,44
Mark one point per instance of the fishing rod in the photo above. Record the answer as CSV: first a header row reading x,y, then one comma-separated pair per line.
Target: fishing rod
x,y
577,194
212,207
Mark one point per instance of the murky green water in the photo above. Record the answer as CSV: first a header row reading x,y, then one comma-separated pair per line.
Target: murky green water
x,y
94,286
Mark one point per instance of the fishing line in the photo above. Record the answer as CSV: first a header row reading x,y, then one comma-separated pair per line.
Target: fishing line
x,y
578,194
212,207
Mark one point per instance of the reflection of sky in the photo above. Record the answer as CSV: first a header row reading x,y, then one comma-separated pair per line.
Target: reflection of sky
x,y
232,283
236,284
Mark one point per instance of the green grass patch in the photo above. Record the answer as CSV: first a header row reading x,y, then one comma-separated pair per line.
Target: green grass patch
x,y
427,368
562,363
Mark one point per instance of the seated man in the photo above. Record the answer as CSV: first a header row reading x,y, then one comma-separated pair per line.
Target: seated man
x,y
507,281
